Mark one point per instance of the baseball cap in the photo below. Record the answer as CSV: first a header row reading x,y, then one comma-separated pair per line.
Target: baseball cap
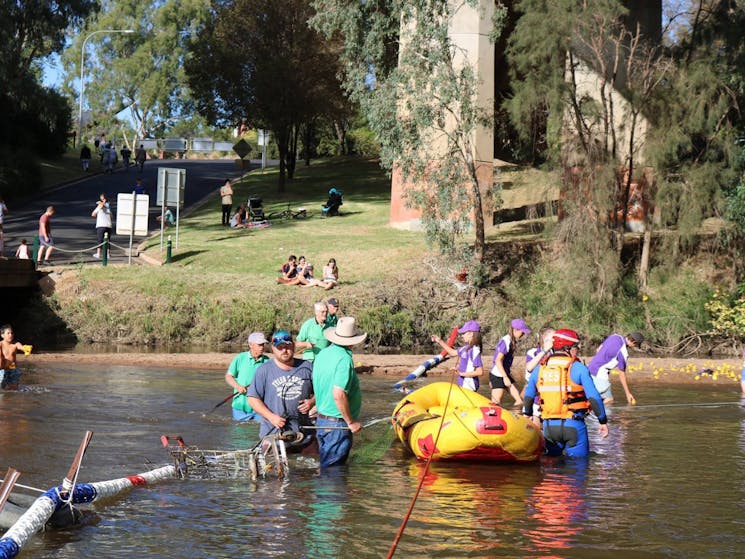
x,y
333,302
519,324
636,337
281,337
257,338
470,326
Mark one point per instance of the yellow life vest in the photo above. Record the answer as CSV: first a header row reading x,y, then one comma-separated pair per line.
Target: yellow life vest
x,y
561,398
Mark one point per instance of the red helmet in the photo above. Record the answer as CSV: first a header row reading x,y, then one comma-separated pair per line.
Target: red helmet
x,y
564,337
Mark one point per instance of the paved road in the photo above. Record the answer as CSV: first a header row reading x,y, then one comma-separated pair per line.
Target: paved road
x,y
74,229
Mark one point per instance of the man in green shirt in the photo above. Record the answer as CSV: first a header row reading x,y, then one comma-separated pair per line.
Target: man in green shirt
x,y
310,339
241,373
332,306
338,395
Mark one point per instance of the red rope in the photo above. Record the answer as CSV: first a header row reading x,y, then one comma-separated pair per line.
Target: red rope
x,y
405,520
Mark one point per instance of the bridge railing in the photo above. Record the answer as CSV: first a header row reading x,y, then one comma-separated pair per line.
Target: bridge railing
x,y
183,145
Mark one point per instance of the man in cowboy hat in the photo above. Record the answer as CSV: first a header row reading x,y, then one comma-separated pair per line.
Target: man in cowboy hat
x,y
338,395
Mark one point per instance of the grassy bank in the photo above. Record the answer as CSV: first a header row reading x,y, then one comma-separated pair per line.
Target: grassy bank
x,y
221,283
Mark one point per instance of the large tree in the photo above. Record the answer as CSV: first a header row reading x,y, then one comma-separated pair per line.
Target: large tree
x,y
417,90
35,119
140,72
258,61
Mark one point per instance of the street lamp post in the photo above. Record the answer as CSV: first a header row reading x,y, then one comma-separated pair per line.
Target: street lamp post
x,y
82,68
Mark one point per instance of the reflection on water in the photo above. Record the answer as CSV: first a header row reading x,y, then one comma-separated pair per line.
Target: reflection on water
x,y
669,481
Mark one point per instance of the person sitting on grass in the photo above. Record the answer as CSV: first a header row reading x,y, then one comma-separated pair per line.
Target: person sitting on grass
x,y
168,218
304,272
238,221
330,276
288,271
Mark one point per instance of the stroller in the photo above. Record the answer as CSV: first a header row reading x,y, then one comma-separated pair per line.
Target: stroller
x,y
255,209
331,207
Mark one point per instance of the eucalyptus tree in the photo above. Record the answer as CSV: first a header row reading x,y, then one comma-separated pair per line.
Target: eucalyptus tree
x,y
141,73
35,119
416,88
258,61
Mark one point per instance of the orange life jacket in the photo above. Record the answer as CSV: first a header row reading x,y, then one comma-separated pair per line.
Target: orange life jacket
x,y
561,398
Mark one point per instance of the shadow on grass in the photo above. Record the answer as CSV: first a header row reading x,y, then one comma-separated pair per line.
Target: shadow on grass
x,y
185,255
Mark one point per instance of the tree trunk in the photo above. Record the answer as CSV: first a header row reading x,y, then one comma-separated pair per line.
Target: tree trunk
x,y
307,139
292,153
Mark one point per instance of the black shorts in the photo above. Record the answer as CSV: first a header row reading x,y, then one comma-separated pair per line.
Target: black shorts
x,y
100,233
498,382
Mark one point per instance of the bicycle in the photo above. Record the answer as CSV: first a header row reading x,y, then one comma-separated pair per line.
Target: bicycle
x,y
289,213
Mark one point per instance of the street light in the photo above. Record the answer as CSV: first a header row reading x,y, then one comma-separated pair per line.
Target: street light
x,y
82,67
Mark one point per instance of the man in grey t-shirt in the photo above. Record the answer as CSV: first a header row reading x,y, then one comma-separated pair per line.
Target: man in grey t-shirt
x,y
282,391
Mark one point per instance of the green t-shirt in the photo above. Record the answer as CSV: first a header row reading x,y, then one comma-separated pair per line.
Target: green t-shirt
x,y
334,366
331,320
242,368
312,332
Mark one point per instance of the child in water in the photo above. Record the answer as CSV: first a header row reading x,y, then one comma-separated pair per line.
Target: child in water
x,y
500,377
9,373
470,367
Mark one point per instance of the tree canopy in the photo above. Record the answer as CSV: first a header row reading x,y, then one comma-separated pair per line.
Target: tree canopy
x,y
258,61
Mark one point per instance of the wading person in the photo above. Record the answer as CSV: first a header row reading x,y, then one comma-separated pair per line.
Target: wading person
x,y
470,367
338,395
310,338
612,354
567,394
282,390
500,377
241,373
9,372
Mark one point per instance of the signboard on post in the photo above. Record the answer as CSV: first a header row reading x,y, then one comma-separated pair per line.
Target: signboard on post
x,y
171,186
131,216
263,140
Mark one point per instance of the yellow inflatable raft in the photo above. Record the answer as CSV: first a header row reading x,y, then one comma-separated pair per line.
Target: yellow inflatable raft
x,y
472,427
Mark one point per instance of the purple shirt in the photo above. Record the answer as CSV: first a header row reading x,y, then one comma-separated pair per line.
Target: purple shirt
x,y
612,354
469,359
505,348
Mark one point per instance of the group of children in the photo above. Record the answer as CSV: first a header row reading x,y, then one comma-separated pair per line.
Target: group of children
x,y
470,364
299,271
9,372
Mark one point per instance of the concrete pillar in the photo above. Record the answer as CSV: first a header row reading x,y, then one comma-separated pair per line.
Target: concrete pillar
x,y
469,31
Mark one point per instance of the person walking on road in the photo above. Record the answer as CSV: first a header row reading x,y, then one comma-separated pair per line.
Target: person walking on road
x,y
46,243
102,213
141,157
85,157
226,199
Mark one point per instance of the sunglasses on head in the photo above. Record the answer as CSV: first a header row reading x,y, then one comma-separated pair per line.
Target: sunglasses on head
x,y
281,338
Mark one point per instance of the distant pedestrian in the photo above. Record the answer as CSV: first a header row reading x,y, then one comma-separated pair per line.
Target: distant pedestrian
x,y
139,188
102,213
22,251
46,243
3,213
140,157
85,157
126,153
226,199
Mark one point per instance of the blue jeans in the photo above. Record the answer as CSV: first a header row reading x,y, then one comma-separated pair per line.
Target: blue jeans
x,y
9,377
334,445
240,415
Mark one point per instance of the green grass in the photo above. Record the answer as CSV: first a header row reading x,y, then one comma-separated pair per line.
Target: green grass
x,y
365,247
221,282
63,169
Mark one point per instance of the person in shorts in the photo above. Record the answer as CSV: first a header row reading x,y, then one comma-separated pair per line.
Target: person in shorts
x,y
612,354
46,242
500,377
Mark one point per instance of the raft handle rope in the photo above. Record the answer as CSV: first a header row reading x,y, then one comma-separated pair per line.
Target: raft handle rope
x,y
422,477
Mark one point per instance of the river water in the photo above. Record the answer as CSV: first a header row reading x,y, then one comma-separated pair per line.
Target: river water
x,y
669,481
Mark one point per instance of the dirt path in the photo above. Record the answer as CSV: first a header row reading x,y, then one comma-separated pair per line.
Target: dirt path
x,y
641,369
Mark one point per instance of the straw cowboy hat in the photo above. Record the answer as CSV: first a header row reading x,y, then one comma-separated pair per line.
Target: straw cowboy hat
x,y
344,333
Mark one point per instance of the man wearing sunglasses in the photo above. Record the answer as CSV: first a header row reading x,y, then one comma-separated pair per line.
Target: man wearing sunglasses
x,y
282,390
